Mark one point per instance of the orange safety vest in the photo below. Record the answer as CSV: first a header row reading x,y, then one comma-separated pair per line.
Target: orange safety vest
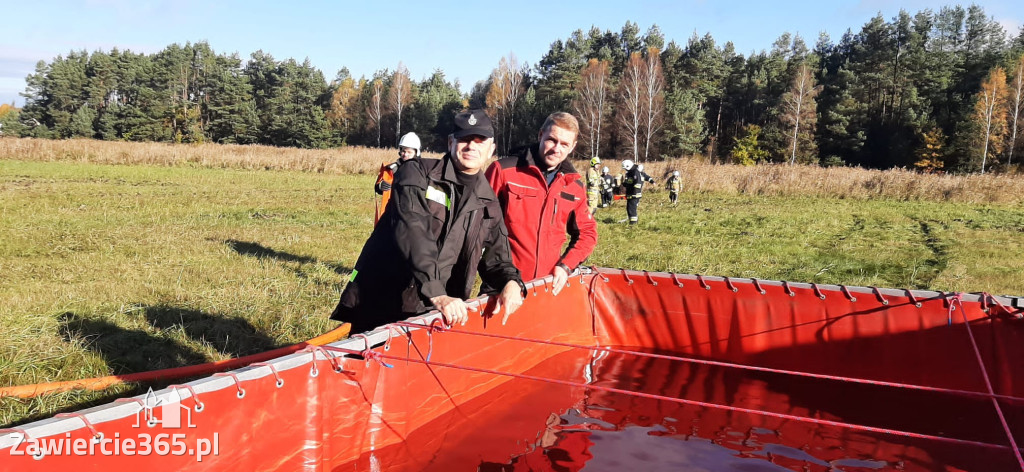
x,y
385,175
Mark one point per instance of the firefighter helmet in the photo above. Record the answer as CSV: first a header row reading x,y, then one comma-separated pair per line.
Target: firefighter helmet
x,y
410,140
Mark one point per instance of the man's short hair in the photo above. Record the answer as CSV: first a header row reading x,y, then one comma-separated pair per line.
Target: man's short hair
x,y
563,120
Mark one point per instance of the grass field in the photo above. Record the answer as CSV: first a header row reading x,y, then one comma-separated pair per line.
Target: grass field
x,y
138,266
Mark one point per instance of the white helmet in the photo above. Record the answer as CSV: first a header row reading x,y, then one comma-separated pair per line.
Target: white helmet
x,y
627,164
604,169
675,173
410,140
640,167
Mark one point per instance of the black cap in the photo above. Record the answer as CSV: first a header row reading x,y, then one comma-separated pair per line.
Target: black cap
x,y
473,122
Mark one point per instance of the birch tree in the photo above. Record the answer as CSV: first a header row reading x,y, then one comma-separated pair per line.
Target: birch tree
x,y
506,87
591,103
799,108
653,95
375,107
399,97
990,113
630,111
1015,102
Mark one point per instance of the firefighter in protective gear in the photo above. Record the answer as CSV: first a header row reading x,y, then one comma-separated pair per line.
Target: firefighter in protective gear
x,y
643,175
633,181
408,148
674,185
594,184
607,188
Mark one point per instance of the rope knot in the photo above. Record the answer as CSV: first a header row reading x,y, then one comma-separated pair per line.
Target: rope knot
x,y
377,357
368,354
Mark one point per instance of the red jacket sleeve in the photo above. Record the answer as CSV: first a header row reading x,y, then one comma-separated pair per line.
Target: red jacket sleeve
x,y
582,231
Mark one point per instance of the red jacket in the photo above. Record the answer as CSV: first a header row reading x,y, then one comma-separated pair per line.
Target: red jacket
x,y
538,217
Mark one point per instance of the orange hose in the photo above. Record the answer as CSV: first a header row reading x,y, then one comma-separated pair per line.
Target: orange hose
x,y
100,383
385,175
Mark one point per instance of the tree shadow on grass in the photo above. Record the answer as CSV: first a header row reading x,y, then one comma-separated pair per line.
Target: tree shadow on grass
x,y
229,335
259,251
126,350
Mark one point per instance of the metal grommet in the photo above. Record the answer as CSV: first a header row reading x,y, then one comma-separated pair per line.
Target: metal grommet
x,y
280,382
238,383
199,406
881,298
846,292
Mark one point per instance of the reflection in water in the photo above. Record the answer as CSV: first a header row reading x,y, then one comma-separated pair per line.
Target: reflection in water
x,y
546,427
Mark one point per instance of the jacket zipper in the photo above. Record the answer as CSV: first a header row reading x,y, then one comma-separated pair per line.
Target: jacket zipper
x,y
553,215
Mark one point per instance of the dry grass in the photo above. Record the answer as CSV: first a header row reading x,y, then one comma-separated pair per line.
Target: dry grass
x,y
835,182
347,160
698,176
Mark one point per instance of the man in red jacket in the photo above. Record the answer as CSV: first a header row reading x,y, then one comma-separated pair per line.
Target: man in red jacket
x,y
543,198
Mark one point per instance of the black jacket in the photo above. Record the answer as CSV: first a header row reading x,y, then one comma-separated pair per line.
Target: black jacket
x,y
633,182
607,182
433,238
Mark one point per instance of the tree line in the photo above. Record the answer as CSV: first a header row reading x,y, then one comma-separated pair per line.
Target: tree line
x,y
937,90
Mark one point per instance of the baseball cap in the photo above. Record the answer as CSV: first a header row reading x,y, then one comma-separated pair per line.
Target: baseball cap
x,y
473,122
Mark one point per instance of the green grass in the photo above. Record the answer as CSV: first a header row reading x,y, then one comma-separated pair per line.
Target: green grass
x,y
109,269
900,244
115,269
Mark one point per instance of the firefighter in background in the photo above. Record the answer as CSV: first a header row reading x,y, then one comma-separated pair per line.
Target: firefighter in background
x,y
594,182
633,182
643,175
674,185
607,188
408,148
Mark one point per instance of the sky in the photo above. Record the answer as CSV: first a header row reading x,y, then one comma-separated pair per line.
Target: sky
x,y
464,39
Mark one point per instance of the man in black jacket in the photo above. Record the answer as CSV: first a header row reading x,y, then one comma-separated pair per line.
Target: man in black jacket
x,y
443,224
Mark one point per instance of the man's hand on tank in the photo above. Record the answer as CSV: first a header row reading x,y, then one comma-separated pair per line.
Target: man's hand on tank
x,y
453,309
561,275
511,298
